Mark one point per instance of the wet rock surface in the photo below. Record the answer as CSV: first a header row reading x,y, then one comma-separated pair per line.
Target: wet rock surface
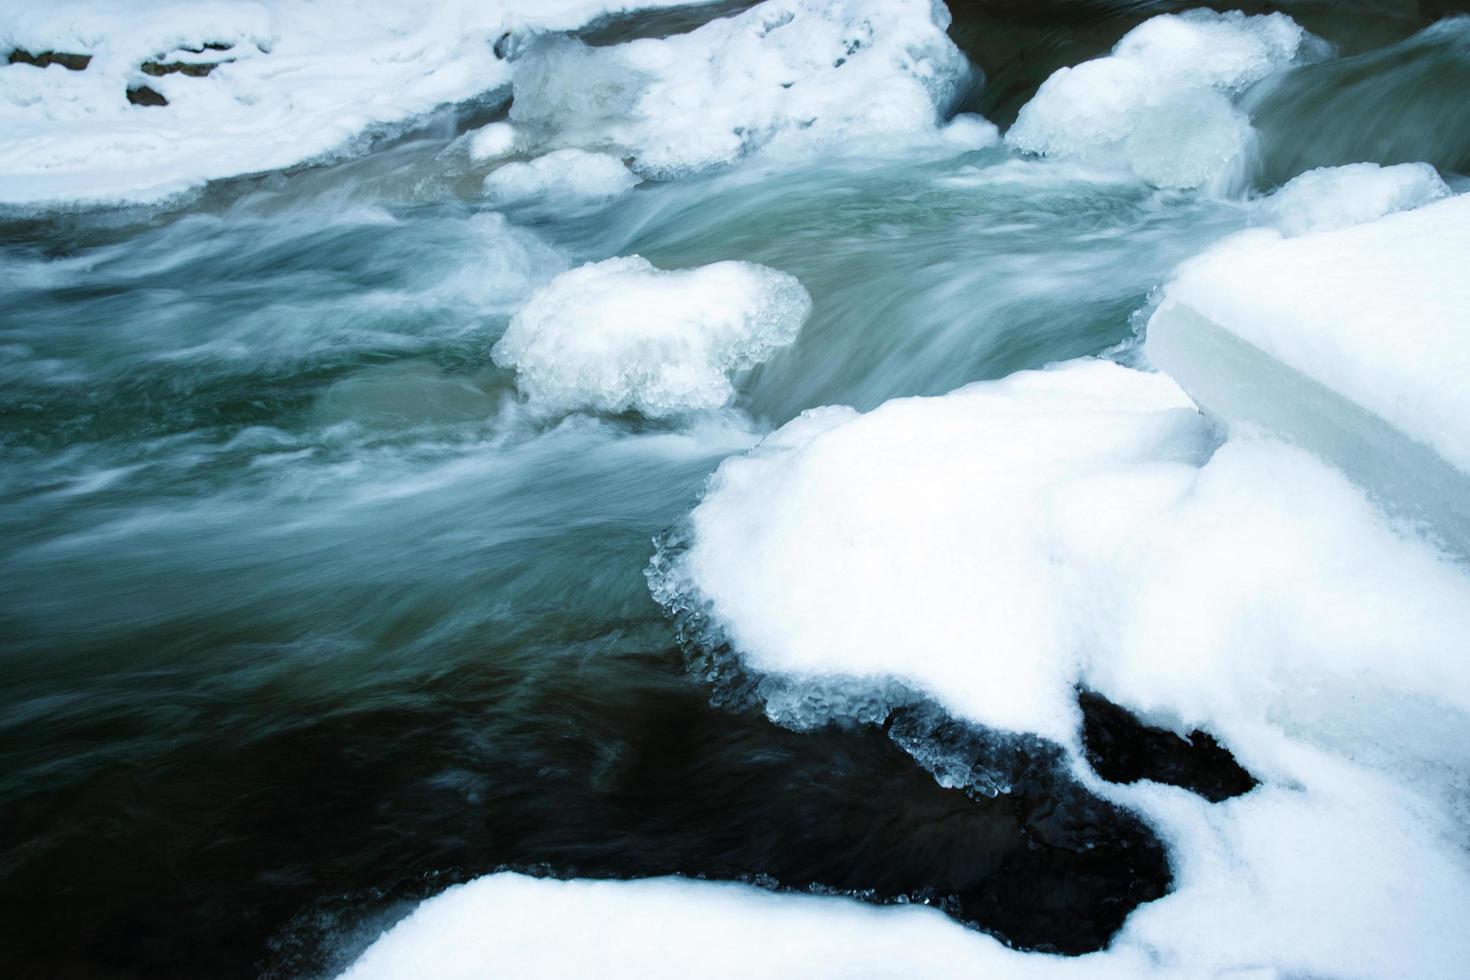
x,y
1124,750
44,59
193,69
145,96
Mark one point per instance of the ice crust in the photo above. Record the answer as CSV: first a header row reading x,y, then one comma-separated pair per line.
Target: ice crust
x,y
300,81
1163,102
569,177
1378,314
785,75
999,545
620,335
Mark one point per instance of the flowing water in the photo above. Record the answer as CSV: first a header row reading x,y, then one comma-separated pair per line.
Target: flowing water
x,y
305,615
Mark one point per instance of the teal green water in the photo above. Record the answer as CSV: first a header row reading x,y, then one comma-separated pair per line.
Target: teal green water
x,y
271,519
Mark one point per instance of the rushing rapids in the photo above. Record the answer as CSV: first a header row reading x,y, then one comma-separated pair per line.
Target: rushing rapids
x,y
786,488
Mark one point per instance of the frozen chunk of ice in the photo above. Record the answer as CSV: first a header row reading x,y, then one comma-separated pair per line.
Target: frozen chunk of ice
x,y
1163,101
621,335
1354,342
1337,197
786,74
572,177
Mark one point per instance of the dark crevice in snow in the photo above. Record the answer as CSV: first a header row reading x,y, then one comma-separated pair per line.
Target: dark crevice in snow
x,y
1123,749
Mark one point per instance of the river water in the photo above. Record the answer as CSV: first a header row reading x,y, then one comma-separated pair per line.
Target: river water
x,y
307,614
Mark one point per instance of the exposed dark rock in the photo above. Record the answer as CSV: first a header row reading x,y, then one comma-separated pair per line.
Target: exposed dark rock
x,y
193,69
71,62
143,95
1124,750
620,28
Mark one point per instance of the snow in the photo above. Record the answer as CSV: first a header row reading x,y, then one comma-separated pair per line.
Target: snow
x,y
513,926
1354,342
785,76
300,81
1162,103
1338,197
565,177
620,335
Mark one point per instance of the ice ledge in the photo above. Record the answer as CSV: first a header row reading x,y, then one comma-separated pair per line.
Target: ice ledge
x,y
1353,343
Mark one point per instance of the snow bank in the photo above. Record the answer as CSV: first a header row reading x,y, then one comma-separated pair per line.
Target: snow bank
x,y
786,74
621,335
1354,342
996,545
999,545
1338,197
294,81
566,177
1163,101
512,926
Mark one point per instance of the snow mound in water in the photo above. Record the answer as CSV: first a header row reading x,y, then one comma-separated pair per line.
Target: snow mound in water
x,y
513,926
489,142
786,74
997,546
1338,197
1163,101
567,176
295,81
621,335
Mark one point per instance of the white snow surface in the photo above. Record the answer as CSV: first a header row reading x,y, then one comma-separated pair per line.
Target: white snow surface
x,y
1338,197
621,335
299,82
784,76
1378,313
1163,102
508,925
995,547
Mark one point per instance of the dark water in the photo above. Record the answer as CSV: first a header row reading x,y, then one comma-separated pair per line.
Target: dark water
x,y
303,618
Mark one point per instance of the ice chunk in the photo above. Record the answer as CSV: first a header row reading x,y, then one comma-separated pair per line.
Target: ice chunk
x,y
1163,101
621,335
1336,197
569,176
293,82
492,141
786,74
910,540
1353,342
